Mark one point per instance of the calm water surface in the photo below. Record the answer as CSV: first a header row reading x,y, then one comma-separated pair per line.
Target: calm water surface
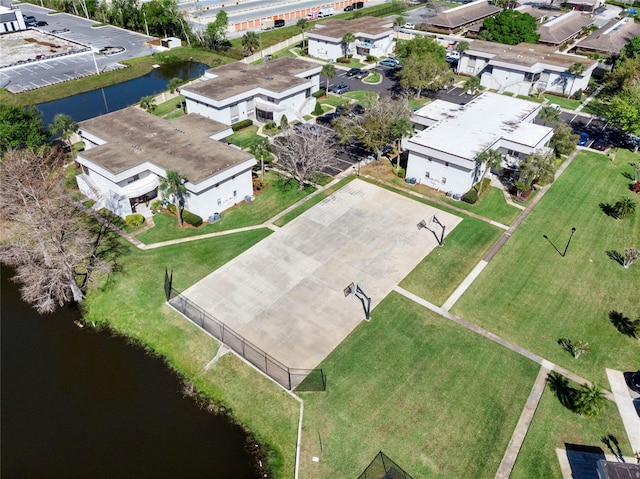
x,y
98,102
77,403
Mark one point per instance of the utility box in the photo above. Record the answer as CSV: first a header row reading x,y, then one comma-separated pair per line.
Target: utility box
x,y
171,42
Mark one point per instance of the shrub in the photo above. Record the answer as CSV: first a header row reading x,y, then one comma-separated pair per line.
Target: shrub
x,y
470,196
172,208
624,207
399,172
271,125
319,94
284,122
191,218
156,206
134,220
344,60
636,187
318,109
370,58
578,95
242,124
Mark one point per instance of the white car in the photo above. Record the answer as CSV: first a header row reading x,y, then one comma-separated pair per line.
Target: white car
x,y
409,26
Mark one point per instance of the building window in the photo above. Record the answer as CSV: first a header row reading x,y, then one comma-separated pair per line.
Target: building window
x,y
219,202
427,175
133,178
235,193
444,180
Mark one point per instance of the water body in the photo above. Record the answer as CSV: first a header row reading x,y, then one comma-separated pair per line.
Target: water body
x,y
80,403
104,100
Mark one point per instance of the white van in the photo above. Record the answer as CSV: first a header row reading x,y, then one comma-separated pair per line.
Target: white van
x,y
325,11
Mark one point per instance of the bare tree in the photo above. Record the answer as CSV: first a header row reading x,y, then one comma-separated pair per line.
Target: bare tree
x,y
52,246
304,154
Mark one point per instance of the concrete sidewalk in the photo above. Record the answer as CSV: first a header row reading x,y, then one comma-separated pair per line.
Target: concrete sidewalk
x,y
627,410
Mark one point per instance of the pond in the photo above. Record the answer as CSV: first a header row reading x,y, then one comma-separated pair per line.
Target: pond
x,y
81,403
104,100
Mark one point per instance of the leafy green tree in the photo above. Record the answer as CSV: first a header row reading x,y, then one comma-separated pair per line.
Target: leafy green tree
x,y
64,126
163,18
261,150
421,72
538,167
148,103
347,39
250,42
126,14
304,25
624,110
491,159
284,122
174,185
174,84
589,401
420,45
216,31
510,27
624,207
549,114
329,71
563,140
632,49
625,73
21,127
472,84
575,70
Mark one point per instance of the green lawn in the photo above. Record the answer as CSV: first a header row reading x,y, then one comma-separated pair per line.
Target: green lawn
x,y
567,103
554,426
438,399
373,77
332,100
169,107
440,273
533,296
245,137
492,205
132,302
278,195
361,96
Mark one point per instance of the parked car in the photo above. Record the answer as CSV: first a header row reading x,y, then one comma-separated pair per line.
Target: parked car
x,y
328,119
358,109
41,23
388,63
348,8
409,26
362,74
584,139
29,20
279,23
312,16
344,110
600,144
341,88
634,382
354,72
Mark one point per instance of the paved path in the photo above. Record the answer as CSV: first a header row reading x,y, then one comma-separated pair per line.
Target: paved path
x,y
626,407
591,97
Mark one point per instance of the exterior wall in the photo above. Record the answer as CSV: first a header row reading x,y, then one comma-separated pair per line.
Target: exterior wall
x,y
437,174
327,50
208,111
220,196
11,20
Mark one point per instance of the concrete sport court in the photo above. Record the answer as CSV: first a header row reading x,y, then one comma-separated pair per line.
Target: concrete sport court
x,y
286,294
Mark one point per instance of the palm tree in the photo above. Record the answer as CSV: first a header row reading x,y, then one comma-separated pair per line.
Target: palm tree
x,y
399,21
174,184
549,114
250,42
575,70
400,129
589,401
624,207
303,25
347,39
260,149
148,103
490,159
329,71
64,126
462,47
174,84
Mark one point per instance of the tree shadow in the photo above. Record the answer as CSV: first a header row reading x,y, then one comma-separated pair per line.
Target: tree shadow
x,y
559,385
624,324
616,256
628,176
613,445
567,345
608,210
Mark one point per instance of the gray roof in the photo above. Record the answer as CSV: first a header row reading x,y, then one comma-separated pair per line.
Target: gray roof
x,y
370,26
459,16
611,37
236,78
564,27
618,470
182,144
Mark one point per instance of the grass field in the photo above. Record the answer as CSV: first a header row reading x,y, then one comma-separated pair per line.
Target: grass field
x,y
554,426
491,205
567,103
533,296
279,194
245,137
440,273
439,400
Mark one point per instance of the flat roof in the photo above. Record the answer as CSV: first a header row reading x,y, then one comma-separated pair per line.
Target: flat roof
x,y
467,130
459,16
182,144
612,36
358,26
527,54
235,78
565,26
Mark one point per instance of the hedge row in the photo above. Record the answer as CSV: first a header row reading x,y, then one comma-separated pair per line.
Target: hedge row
x,y
242,124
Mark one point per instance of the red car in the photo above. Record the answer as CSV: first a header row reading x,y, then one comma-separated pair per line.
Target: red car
x,y
599,144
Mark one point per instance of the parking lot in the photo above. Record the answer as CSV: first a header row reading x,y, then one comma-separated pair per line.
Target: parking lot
x,y
67,29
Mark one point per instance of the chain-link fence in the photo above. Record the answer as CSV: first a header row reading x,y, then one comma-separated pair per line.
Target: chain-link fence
x,y
302,379
382,467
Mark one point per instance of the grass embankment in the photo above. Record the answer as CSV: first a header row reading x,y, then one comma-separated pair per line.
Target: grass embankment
x,y
533,296
440,273
136,67
555,426
245,137
427,392
132,302
278,194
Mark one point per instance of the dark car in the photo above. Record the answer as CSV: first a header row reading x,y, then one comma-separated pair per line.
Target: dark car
x,y
328,119
29,20
348,8
341,88
600,144
634,381
41,23
584,139
358,109
354,72
343,110
278,23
